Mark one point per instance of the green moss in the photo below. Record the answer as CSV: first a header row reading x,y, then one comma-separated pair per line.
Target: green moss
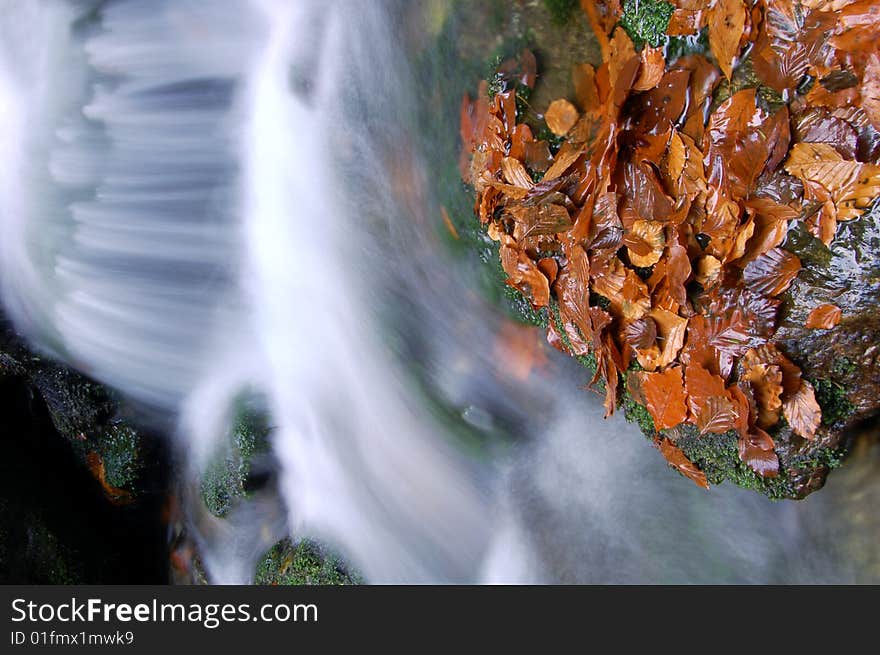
x,y
225,479
560,10
304,563
646,21
830,457
119,449
843,367
636,413
717,456
832,398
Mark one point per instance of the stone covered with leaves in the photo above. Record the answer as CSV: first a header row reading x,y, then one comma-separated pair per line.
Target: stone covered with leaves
x,y
696,221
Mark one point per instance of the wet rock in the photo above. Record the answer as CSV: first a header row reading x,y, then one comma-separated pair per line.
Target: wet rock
x,y
303,563
86,414
843,363
81,490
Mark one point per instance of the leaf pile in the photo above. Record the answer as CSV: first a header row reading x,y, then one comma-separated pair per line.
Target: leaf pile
x,y
653,226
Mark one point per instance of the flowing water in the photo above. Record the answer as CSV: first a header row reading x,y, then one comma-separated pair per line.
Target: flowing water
x,y
201,198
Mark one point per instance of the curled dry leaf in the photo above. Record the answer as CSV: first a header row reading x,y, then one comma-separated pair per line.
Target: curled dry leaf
x,y
824,317
765,381
561,116
645,241
679,460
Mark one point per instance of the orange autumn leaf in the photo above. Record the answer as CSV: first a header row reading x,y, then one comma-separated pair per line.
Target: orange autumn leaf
x,y
96,466
756,451
765,381
561,116
727,19
803,412
652,68
679,460
664,397
772,273
824,317
871,90
850,185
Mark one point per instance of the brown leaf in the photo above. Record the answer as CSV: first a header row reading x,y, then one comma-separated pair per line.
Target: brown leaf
x,y
766,384
652,68
670,331
851,185
708,271
772,273
664,395
803,412
525,276
727,19
679,460
566,156
871,90
515,173
708,401
756,451
824,317
645,241
641,333
584,79
561,116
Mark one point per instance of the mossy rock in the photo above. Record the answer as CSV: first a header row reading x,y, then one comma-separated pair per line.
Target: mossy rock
x,y
302,563
90,417
227,479
843,364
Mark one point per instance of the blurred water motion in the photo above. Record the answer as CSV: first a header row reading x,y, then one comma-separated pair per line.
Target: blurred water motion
x,y
202,197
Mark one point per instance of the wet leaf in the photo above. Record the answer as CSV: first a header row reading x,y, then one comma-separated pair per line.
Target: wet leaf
x,y
772,273
561,116
679,460
664,395
803,412
652,68
727,19
824,317
765,381
756,451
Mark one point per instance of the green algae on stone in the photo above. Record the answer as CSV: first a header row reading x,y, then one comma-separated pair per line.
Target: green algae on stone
x,y
225,480
646,21
302,563
832,398
560,10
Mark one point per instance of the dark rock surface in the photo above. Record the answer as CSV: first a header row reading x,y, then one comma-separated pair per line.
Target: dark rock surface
x,y
60,522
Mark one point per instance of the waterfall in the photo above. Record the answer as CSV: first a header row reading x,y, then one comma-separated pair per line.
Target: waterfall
x,y
205,196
